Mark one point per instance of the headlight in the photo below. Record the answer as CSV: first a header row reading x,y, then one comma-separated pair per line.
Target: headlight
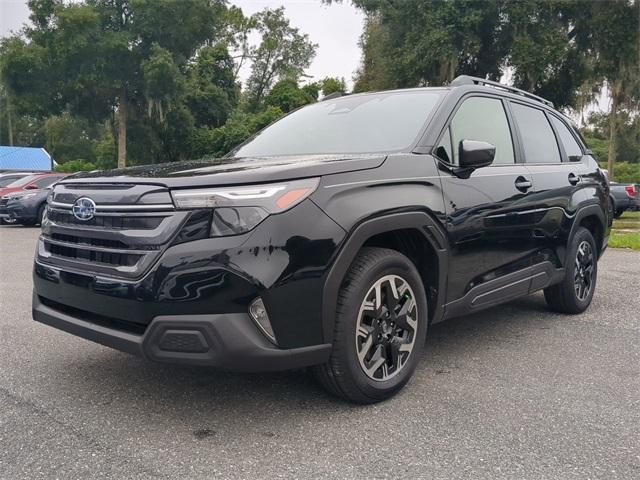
x,y
237,210
18,196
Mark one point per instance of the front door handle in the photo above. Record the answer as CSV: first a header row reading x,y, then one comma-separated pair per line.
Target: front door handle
x,y
574,179
523,184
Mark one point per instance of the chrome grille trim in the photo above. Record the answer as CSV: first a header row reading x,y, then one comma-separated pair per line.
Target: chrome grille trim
x,y
116,208
121,240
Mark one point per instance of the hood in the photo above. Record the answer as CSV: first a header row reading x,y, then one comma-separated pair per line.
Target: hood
x,y
17,195
232,170
6,190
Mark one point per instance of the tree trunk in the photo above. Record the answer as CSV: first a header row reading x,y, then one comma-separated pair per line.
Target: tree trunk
x,y
613,127
122,130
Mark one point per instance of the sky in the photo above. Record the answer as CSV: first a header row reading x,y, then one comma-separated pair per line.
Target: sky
x,y
336,29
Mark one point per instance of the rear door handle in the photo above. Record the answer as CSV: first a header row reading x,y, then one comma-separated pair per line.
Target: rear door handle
x,y
574,179
523,184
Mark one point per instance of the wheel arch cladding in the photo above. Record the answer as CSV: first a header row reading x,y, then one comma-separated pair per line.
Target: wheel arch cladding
x,y
593,219
417,235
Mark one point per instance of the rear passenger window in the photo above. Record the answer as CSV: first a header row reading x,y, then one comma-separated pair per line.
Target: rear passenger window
x,y
571,146
538,140
484,119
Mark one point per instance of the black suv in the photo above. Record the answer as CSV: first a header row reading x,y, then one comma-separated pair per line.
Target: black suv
x,y
333,237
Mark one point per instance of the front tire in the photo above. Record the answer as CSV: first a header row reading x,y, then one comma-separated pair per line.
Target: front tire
x,y
575,292
380,328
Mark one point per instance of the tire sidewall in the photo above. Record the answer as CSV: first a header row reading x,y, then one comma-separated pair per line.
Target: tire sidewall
x,y
393,265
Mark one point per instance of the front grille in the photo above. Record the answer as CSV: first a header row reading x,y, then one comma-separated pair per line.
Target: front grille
x,y
121,240
94,242
93,256
3,205
115,222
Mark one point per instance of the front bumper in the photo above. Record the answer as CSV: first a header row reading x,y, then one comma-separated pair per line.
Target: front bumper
x,y
198,290
227,341
19,212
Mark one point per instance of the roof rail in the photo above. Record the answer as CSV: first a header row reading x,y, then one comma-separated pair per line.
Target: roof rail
x,y
467,80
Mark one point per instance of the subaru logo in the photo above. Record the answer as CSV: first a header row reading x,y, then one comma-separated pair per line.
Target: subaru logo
x,y
84,208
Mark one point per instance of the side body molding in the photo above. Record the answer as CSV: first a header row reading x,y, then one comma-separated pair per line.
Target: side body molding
x,y
420,221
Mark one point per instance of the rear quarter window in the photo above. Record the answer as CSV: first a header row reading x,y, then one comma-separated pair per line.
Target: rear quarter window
x,y
570,144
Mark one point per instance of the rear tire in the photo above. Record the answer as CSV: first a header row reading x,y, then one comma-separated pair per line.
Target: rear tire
x,y
575,292
618,213
380,328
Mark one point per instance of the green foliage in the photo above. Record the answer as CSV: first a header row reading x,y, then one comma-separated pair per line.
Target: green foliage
x,y
82,69
215,142
77,165
627,172
212,92
105,152
416,42
68,138
597,132
282,53
287,95
163,81
551,47
331,85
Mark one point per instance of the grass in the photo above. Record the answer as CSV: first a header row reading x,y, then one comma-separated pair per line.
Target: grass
x,y
626,231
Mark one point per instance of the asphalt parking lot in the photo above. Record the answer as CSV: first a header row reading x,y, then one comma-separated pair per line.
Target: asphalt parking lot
x,y
513,392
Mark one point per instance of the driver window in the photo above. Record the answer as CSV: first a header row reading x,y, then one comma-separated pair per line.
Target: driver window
x,y
484,119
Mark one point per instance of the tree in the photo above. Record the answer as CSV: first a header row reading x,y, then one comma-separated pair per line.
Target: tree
x,y
557,49
283,52
103,57
211,89
240,27
331,85
614,30
545,48
287,95
418,43
68,138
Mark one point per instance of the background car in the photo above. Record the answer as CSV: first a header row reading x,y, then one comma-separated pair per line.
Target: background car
x,y
29,182
624,196
10,177
27,207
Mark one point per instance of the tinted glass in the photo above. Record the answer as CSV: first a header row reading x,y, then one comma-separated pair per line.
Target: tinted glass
x,y
443,150
483,119
46,181
358,124
538,140
571,146
22,181
4,181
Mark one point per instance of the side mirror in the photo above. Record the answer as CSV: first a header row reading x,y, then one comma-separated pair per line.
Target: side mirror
x,y
30,187
475,154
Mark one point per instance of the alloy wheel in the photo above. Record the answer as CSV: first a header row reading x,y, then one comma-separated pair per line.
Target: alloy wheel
x,y
584,268
386,327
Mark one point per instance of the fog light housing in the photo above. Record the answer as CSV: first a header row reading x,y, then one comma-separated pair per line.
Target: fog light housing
x,y
258,313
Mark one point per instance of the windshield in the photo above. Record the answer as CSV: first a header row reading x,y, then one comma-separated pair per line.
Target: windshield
x,y
21,182
370,123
